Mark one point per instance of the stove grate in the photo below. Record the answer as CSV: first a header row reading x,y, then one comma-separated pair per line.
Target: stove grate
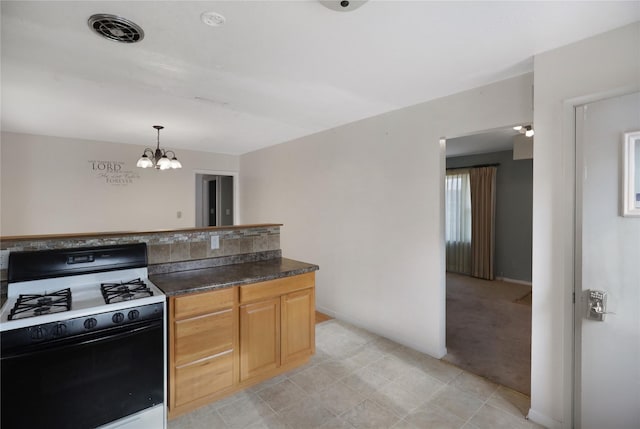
x,y
29,305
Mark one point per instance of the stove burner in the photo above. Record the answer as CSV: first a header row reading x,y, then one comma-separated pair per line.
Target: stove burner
x,y
124,291
36,305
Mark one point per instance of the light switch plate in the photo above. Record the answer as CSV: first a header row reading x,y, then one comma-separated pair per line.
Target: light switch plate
x,y
215,242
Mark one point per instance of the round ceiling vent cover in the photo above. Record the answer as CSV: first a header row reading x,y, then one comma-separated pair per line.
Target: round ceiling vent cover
x,y
116,28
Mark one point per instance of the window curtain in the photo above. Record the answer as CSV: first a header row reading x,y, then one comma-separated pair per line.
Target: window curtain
x,y
458,221
483,210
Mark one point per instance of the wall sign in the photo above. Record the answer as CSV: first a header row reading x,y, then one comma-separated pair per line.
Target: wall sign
x,y
113,172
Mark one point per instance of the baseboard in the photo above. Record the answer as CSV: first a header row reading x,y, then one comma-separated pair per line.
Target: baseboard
x,y
438,354
543,420
326,311
507,279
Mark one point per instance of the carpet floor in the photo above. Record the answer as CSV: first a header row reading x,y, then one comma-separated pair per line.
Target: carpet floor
x,y
489,329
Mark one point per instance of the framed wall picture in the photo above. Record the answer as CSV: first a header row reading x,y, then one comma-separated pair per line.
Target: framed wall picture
x,y
631,174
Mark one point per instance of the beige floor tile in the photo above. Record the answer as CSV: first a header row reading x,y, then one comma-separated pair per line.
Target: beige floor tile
x,y
267,383
207,417
270,422
366,355
431,417
244,412
384,345
441,370
282,395
419,383
370,415
393,397
478,386
365,381
362,334
314,379
510,401
338,398
456,402
404,424
337,423
243,394
308,414
391,367
489,417
339,368
319,357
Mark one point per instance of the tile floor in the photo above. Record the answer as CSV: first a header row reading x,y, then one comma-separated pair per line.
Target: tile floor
x,y
360,380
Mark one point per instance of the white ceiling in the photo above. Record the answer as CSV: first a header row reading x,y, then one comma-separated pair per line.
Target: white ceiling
x,y
274,72
491,141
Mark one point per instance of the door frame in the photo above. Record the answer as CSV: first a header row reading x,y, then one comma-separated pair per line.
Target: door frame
x,y
573,313
236,191
442,141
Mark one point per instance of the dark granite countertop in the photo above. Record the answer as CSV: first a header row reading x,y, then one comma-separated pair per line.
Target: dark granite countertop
x,y
207,279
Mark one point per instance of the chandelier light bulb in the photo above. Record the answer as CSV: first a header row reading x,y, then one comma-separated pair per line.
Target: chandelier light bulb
x,y
517,127
529,133
159,159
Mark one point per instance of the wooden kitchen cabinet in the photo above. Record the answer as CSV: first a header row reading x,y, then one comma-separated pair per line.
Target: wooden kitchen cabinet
x,y
259,338
278,329
298,325
202,348
225,340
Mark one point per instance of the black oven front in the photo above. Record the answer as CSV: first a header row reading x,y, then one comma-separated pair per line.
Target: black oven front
x,y
75,377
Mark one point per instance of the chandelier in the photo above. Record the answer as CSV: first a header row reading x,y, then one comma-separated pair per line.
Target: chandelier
x,y
159,158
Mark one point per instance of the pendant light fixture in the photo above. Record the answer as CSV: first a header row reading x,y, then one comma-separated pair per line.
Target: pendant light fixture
x,y
159,158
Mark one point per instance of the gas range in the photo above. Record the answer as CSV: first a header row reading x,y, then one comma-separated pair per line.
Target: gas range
x,y
43,301
76,329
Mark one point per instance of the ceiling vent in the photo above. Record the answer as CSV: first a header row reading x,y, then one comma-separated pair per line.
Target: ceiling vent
x,y
116,28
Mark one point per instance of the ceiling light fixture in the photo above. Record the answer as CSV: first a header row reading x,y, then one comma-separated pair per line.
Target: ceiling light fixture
x,y
159,158
527,130
342,5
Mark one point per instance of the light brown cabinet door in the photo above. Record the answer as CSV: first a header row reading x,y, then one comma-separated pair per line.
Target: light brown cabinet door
x,y
203,336
298,325
203,377
259,338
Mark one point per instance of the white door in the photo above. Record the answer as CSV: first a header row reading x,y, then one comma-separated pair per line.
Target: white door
x,y
607,391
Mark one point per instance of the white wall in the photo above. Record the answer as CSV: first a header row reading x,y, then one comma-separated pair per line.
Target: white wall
x,y
49,186
365,202
591,69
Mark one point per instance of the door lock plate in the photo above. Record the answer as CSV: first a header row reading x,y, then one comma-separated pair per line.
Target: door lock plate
x,y
597,305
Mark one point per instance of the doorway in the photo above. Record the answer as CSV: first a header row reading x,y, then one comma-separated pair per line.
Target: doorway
x,y
488,320
214,200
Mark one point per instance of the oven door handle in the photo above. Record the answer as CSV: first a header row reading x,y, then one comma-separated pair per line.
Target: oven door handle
x,y
94,338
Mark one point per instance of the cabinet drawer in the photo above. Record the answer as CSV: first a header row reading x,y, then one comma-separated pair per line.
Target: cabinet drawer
x,y
201,303
203,336
204,377
277,287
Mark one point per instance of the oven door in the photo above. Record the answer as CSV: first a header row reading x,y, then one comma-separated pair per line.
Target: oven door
x,y
84,382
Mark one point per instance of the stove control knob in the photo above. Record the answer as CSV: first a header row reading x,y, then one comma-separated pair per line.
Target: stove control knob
x,y
90,323
38,333
60,330
134,314
117,318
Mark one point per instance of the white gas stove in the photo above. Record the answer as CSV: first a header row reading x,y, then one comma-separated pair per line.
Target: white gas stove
x,y
83,336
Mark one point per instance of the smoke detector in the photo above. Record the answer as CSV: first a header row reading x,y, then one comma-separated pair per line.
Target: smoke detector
x,y
115,28
342,5
212,19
